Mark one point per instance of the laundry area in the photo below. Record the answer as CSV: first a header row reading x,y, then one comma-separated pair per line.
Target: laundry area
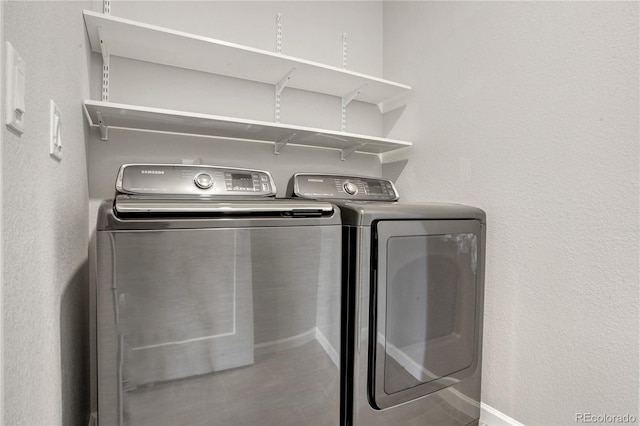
x,y
320,213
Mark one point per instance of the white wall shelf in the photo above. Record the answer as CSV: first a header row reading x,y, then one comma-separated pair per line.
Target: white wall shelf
x,y
130,39
105,115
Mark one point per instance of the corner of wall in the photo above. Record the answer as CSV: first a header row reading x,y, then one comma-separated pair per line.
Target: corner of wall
x,y
1,234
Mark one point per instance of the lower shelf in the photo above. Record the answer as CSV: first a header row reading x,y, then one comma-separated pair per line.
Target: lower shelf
x,y
106,114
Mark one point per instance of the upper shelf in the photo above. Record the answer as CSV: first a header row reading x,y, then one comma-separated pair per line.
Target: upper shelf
x,y
136,40
108,114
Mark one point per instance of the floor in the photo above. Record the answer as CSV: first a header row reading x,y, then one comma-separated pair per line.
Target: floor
x,y
296,387
299,387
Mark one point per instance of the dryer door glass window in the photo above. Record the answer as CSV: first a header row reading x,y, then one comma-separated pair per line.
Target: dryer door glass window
x,y
425,307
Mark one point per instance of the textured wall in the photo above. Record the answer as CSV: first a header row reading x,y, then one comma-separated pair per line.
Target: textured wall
x,y
529,110
45,230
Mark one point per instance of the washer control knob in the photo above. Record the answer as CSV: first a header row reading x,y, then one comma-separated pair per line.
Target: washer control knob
x,y
203,180
350,188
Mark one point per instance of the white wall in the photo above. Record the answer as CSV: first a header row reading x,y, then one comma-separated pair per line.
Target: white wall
x,y
45,229
529,110
311,30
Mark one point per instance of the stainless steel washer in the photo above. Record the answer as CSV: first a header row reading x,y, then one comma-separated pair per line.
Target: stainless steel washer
x,y
215,303
413,289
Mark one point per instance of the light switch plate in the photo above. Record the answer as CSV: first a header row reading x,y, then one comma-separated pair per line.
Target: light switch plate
x,y
15,87
55,131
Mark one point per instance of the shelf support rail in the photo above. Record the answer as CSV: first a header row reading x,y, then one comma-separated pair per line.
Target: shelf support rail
x,y
279,88
344,50
345,153
279,33
104,130
106,7
281,143
346,100
105,67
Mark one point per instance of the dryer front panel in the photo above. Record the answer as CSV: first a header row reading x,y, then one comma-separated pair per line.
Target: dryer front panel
x,y
423,308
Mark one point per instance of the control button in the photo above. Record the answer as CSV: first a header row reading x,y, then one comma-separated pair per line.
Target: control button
x,y
203,180
264,178
265,187
350,188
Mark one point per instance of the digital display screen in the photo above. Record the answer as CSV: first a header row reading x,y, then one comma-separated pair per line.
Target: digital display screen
x,y
375,188
241,181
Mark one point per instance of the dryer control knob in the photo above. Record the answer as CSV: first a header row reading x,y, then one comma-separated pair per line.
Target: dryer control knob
x,y
350,188
203,180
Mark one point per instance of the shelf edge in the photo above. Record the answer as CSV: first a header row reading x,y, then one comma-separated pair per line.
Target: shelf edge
x,y
187,114
95,47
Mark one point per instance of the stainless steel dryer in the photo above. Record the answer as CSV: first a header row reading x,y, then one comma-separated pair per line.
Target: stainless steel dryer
x,y
216,304
413,285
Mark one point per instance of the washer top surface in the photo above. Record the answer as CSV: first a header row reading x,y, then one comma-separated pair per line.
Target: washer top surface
x,y
163,196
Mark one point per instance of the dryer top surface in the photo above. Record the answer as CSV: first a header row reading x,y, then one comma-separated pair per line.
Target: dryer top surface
x,y
363,213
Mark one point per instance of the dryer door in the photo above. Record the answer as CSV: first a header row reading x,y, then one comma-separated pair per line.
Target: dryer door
x,y
424,307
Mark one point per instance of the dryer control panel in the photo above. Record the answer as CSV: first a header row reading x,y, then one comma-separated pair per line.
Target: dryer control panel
x,y
190,180
318,186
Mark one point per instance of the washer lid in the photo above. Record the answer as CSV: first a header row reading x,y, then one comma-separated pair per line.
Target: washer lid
x,y
139,206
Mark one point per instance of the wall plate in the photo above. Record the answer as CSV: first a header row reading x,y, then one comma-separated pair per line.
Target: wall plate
x,y
15,87
55,131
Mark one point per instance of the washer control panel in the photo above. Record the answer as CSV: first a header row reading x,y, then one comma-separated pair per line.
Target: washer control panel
x,y
317,186
178,179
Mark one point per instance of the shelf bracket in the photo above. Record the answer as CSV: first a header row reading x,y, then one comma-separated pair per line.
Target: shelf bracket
x,y
105,67
279,88
280,144
346,100
104,130
345,153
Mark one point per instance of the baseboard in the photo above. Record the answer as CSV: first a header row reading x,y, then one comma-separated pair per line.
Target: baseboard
x,y
286,343
93,420
330,350
492,417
